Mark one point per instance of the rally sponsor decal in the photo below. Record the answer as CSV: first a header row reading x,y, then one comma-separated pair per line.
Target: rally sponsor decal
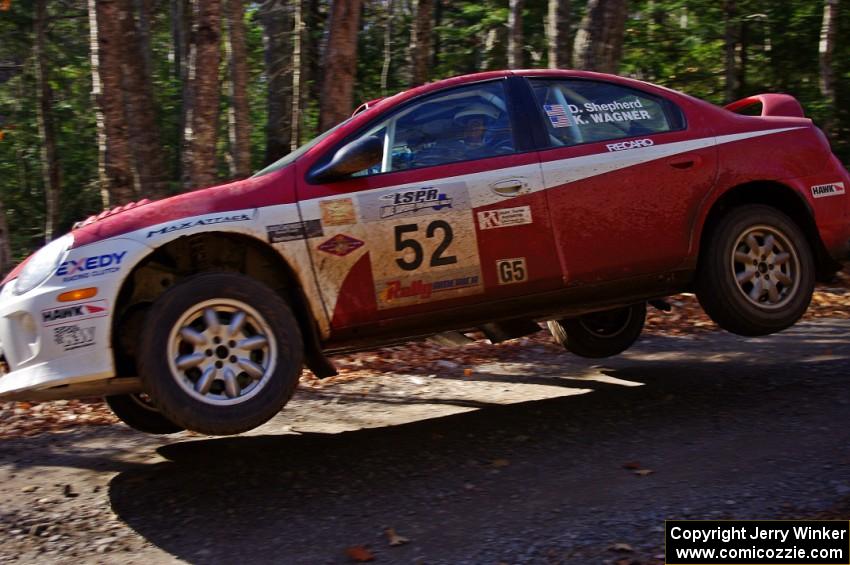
x,y
565,115
74,313
831,189
394,293
341,245
338,212
89,267
410,202
505,217
279,233
188,224
511,271
633,144
73,337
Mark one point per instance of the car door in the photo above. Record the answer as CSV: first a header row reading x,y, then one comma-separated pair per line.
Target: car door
x,y
624,172
453,215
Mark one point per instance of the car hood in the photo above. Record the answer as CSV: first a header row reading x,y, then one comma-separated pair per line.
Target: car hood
x,y
244,194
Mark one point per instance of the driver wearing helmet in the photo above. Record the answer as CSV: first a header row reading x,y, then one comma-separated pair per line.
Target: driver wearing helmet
x,y
478,132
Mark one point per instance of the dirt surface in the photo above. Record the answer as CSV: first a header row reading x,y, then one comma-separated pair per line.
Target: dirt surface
x,y
528,455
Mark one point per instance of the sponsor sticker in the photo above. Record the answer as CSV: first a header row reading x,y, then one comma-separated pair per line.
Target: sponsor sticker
x,y
396,292
511,271
420,201
338,212
85,311
88,267
341,245
199,223
558,115
633,144
831,189
505,217
73,337
566,115
279,233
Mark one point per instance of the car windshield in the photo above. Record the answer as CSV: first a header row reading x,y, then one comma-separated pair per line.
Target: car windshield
x,y
292,156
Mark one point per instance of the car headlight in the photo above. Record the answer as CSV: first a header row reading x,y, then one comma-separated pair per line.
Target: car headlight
x,y
43,264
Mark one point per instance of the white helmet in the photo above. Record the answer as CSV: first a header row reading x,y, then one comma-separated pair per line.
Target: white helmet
x,y
483,110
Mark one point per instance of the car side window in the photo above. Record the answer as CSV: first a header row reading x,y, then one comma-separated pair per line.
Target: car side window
x,y
584,111
462,124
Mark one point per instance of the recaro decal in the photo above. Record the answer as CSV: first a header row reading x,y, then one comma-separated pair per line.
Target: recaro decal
x,y
87,267
633,144
199,223
831,189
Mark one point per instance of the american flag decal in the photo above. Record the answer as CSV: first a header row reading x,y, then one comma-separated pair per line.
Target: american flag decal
x,y
557,115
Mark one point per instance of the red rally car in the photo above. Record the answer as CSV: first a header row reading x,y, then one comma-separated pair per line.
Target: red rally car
x,y
487,202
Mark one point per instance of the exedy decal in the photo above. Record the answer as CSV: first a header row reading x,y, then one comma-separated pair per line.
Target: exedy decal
x,y
95,266
94,309
199,223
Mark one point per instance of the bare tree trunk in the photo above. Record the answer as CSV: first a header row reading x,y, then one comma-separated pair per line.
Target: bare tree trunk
x,y
143,128
5,246
599,41
276,20
558,35
340,63
116,178
730,38
181,25
494,53
388,48
239,119
421,42
515,40
828,34
298,66
202,121
46,131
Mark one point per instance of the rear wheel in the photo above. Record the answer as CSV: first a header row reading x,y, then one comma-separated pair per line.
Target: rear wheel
x,y
140,413
600,334
221,353
757,272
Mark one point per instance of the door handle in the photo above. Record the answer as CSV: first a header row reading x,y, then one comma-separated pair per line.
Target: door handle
x,y
686,162
509,187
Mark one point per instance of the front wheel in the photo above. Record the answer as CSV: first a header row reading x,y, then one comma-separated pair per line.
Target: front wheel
x,y
757,272
140,413
600,334
220,354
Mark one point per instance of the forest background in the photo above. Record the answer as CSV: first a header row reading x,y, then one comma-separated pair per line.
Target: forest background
x,y
103,102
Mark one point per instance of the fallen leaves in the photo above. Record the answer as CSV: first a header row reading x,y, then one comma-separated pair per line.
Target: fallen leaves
x,y
394,539
359,554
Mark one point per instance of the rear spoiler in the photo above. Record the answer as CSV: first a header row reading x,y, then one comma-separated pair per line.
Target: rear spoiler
x,y
771,105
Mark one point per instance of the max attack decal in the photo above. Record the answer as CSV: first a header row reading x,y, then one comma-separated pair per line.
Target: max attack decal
x,y
199,223
77,269
73,337
414,202
337,212
503,218
296,230
56,316
341,245
831,189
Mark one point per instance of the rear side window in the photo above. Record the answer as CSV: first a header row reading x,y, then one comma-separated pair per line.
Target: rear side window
x,y
583,111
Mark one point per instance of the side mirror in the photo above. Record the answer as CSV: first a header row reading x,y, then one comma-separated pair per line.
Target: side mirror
x,y
355,156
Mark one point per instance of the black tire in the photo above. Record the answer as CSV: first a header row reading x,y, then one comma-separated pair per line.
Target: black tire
x,y
224,399
600,334
140,414
741,307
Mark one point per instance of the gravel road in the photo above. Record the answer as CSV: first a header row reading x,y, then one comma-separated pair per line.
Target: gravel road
x,y
544,458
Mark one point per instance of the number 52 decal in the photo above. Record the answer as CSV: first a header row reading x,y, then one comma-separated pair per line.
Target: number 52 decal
x,y
438,258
